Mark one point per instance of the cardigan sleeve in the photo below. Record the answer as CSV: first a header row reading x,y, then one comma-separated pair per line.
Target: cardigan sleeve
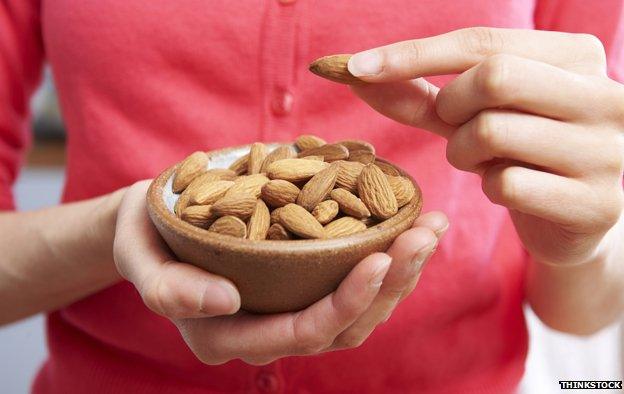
x,y
603,18
21,58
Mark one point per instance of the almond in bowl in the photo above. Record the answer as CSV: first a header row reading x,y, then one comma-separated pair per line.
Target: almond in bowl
x,y
285,222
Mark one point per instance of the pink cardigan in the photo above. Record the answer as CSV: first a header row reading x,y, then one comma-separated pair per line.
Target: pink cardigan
x,y
142,83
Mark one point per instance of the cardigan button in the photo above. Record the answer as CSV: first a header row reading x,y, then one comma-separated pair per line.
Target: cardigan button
x,y
282,102
267,382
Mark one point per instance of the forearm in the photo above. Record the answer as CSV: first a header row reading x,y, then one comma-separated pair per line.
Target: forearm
x,y
584,298
55,256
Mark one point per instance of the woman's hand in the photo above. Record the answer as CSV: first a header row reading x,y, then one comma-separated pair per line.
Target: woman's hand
x,y
535,115
205,307
532,112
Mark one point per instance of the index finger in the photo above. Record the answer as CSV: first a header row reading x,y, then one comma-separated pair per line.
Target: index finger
x,y
459,50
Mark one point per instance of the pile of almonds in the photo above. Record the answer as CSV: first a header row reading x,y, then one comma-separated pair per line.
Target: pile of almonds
x,y
320,191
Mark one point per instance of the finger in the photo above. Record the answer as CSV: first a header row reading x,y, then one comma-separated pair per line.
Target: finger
x,y
408,253
410,102
506,81
500,134
565,201
169,288
459,50
435,221
262,338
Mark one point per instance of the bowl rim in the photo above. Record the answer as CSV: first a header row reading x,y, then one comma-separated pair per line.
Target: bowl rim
x,y
156,206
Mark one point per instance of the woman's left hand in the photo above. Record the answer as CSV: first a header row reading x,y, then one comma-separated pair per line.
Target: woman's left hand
x,y
532,112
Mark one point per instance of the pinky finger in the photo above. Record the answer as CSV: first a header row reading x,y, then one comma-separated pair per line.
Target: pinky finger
x,y
565,201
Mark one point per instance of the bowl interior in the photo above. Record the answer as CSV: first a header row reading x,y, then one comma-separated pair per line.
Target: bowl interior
x,y
163,199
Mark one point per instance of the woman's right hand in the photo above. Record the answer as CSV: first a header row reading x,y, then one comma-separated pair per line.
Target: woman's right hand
x,y
205,307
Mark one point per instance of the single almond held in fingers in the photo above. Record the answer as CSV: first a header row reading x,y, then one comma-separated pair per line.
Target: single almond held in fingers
x,y
239,205
279,153
295,170
348,175
278,192
240,165
277,232
259,222
198,215
208,193
318,187
308,141
229,225
248,185
257,154
298,220
334,68
330,152
191,167
343,227
325,211
402,188
376,193
350,204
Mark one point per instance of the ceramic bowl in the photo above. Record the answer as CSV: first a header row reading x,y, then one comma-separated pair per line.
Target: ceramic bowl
x,y
271,276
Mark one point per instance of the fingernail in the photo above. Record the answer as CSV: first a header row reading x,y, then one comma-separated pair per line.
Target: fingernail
x,y
421,256
365,63
220,296
441,231
380,272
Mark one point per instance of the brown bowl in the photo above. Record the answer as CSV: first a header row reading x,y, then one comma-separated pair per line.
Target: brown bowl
x,y
271,276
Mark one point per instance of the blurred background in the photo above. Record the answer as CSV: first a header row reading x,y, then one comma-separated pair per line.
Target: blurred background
x,y
552,356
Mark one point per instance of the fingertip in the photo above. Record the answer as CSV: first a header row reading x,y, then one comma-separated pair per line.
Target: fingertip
x,y
436,221
380,268
221,297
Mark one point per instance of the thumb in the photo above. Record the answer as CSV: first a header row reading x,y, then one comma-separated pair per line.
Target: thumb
x,y
408,102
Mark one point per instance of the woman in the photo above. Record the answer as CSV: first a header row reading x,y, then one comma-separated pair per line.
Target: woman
x,y
533,120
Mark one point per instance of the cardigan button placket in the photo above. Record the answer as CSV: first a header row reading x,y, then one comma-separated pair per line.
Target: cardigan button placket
x,y
282,102
267,382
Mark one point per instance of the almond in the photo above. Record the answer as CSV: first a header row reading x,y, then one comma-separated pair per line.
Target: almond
x,y
239,205
350,204
318,187
355,145
314,157
335,69
279,153
387,169
326,211
362,156
402,188
348,175
229,225
279,192
248,185
259,222
301,222
191,167
208,193
240,165
278,232
308,141
181,203
294,170
330,152
275,215
198,215
257,154
375,191
343,227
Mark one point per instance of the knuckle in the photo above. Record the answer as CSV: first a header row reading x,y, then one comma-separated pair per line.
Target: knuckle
x,y
493,77
307,340
491,133
483,41
499,186
593,47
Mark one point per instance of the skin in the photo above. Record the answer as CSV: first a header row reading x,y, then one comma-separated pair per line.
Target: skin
x,y
562,186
